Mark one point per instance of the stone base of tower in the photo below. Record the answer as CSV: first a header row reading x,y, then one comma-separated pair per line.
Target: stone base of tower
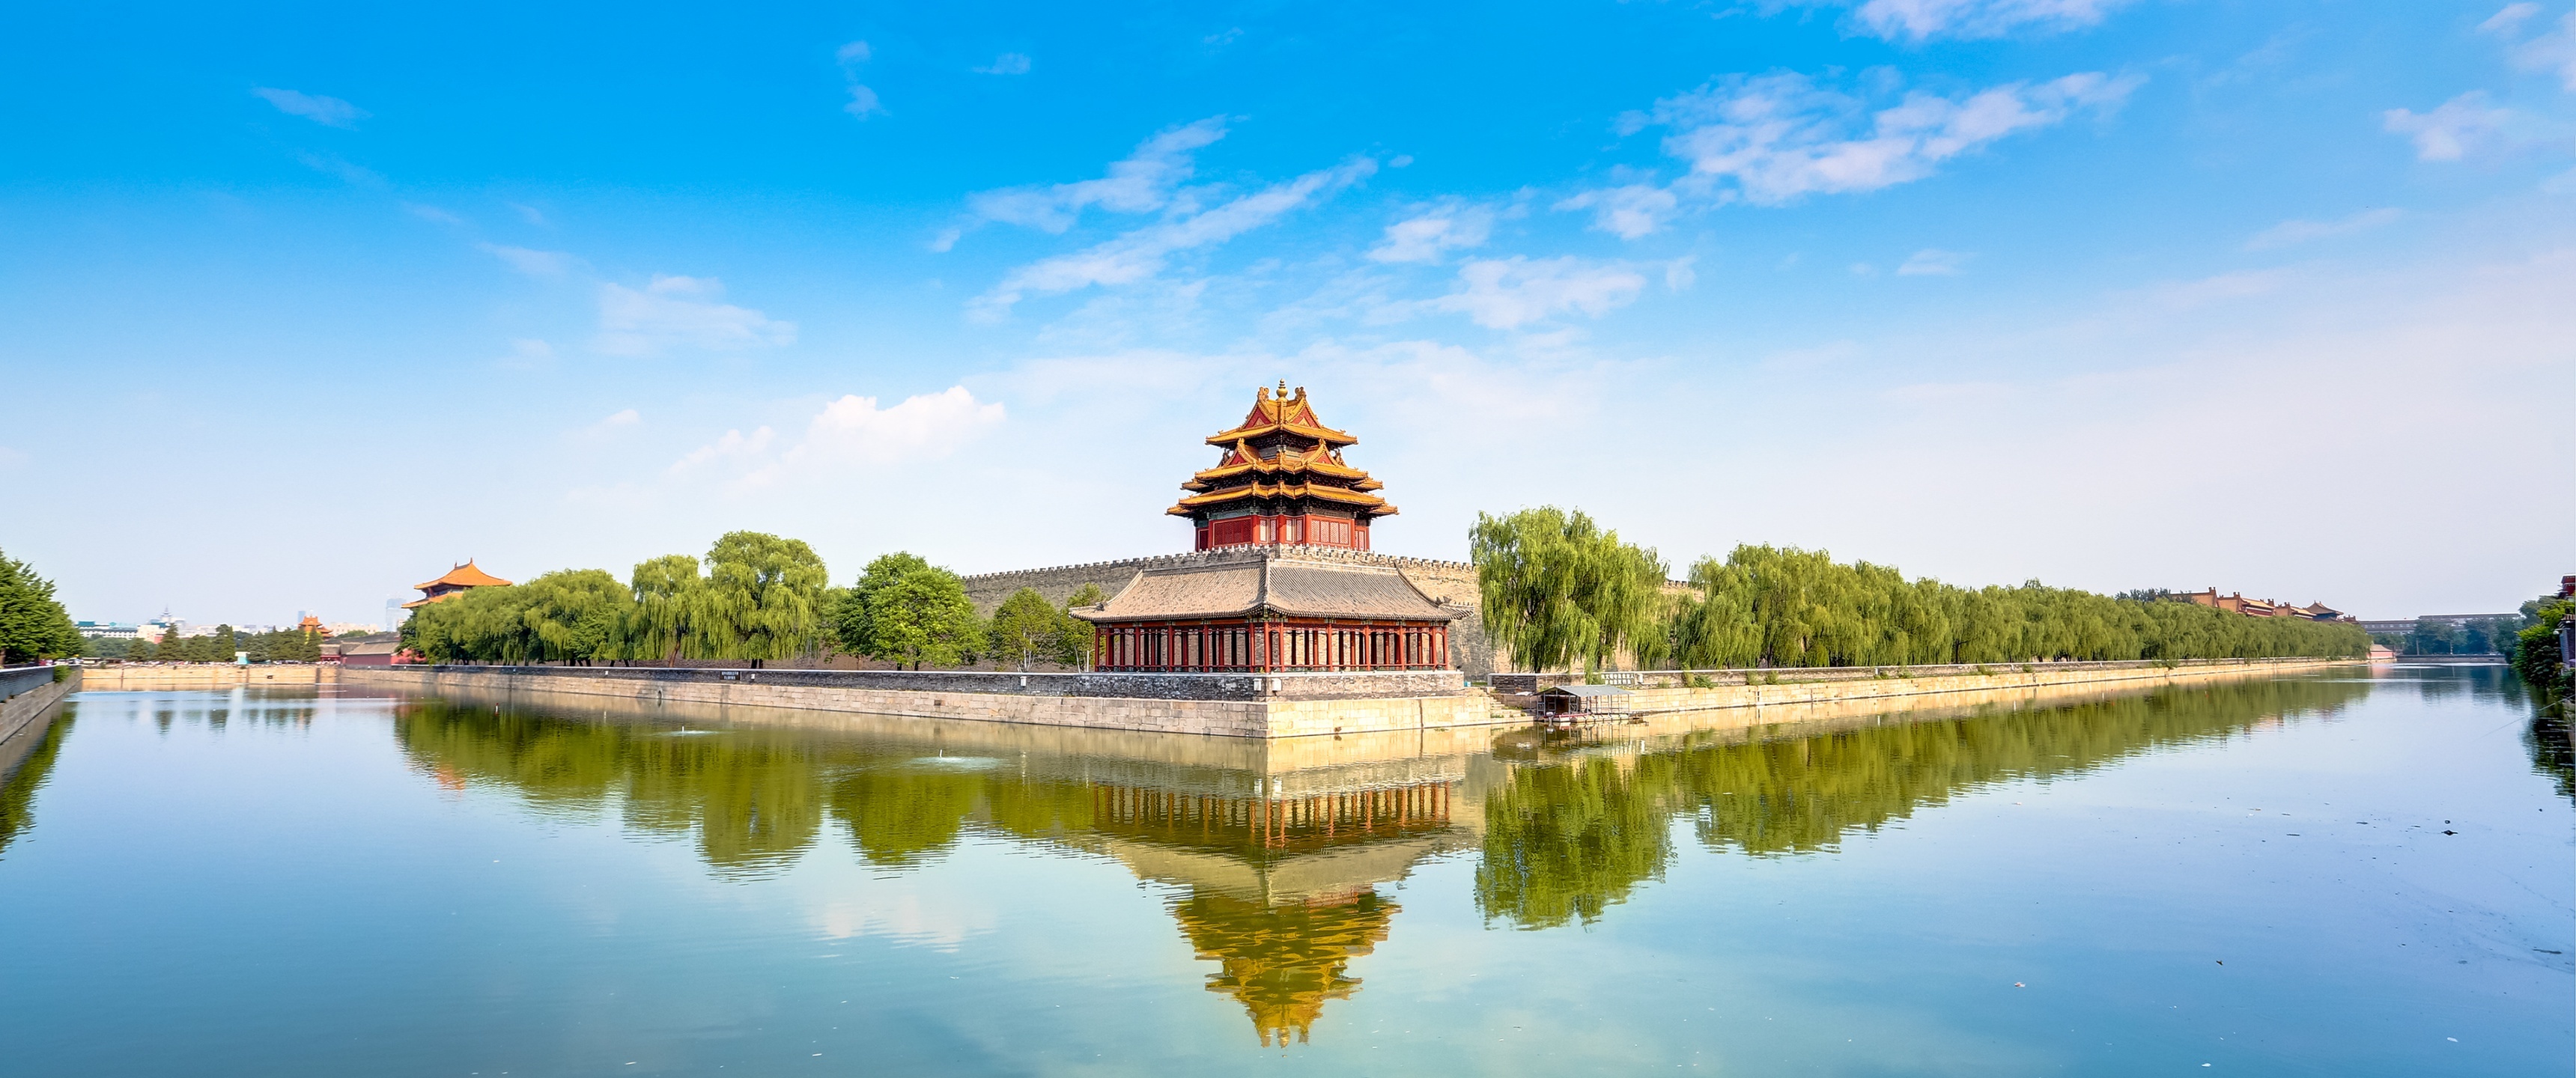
x,y
1452,582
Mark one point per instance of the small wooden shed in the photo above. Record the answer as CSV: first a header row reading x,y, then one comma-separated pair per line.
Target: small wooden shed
x,y
1578,703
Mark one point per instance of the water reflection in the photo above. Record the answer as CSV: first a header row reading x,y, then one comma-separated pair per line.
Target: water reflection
x,y
1579,824
25,775
1276,854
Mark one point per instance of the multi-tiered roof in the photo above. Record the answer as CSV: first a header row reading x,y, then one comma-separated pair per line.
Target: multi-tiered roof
x,y
1282,463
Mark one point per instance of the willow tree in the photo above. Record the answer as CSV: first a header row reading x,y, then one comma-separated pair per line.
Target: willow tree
x,y
1558,589
763,598
571,616
663,621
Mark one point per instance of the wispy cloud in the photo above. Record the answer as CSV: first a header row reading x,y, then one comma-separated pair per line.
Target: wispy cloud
x,y
1509,293
614,422
2296,231
431,213
1143,252
332,164
851,432
1142,182
1918,20
1009,63
531,262
1774,139
1932,262
1423,236
1627,212
2553,51
863,101
681,312
2460,126
327,111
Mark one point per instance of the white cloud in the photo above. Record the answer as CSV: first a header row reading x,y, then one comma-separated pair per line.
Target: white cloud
x,y
863,102
1141,183
431,213
1140,254
327,111
1773,139
2462,125
1921,19
1933,262
1422,237
1627,212
1009,63
11,460
531,262
2510,19
851,432
612,423
1777,138
2554,51
530,213
681,312
1508,293
734,446
2296,231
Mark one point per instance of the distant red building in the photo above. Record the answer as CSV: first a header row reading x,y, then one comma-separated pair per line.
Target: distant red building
x,y
457,579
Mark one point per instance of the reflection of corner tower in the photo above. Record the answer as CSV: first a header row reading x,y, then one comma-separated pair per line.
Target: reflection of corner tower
x,y
1283,962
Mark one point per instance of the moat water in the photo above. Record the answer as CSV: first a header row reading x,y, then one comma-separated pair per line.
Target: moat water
x,y
2358,872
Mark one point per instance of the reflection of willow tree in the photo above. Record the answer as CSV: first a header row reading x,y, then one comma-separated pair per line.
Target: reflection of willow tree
x,y
755,800
1283,962
1565,840
18,795
754,804
897,816
2552,754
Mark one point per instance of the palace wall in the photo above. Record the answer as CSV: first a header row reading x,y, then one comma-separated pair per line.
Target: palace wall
x,y
1452,583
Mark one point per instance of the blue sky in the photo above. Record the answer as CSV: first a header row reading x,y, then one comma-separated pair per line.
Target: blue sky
x,y
311,302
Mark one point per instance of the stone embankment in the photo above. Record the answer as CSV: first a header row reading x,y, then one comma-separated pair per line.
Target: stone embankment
x,y
121,677
29,710
1226,705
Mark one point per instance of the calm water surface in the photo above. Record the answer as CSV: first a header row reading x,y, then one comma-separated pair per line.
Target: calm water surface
x,y
2342,874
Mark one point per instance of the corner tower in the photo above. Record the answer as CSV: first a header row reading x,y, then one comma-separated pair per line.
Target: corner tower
x,y
1281,481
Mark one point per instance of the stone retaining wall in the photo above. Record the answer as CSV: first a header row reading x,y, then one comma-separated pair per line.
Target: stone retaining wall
x,y
1274,716
19,715
2033,676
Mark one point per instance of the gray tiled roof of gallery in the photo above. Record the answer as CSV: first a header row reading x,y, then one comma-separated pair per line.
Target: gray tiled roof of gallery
x,y
1280,585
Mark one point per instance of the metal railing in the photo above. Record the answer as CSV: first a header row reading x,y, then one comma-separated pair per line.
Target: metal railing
x,y
18,679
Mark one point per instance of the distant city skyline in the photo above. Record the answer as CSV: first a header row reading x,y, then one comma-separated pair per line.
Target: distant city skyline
x,y
2109,294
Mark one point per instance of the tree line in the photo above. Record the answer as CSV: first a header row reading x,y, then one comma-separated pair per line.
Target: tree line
x,y
220,646
754,597
1560,590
